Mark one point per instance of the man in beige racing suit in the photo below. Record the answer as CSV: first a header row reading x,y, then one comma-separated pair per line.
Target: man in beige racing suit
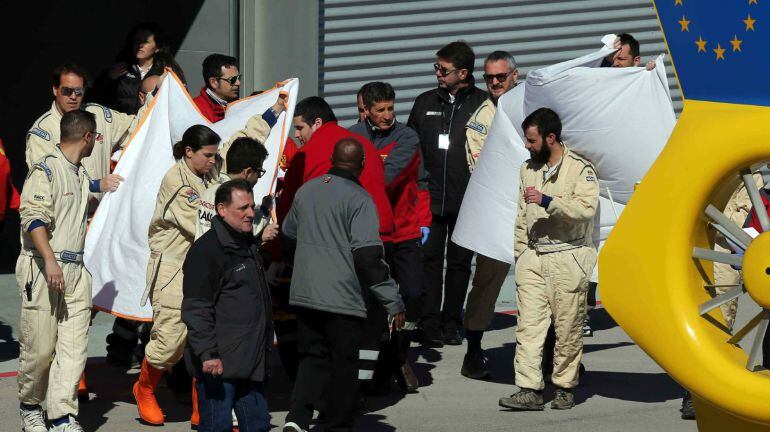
x,y
559,195
54,285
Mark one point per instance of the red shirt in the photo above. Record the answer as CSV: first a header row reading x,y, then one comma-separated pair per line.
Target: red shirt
x,y
9,196
208,107
314,159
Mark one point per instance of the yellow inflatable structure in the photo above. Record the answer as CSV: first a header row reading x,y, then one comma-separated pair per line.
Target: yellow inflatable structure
x,y
656,268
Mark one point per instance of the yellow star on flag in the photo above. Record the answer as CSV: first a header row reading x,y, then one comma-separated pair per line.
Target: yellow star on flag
x,y
720,52
736,43
749,23
701,44
679,2
750,1
684,23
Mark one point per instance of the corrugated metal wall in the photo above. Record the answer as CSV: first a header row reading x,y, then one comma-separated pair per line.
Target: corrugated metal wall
x,y
396,41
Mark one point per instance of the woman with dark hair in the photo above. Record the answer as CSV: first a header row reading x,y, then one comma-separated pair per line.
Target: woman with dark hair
x,y
172,231
119,86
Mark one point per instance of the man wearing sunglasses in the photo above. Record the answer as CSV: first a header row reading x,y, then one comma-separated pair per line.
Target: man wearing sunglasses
x,y
112,127
244,162
500,75
439,117
223,83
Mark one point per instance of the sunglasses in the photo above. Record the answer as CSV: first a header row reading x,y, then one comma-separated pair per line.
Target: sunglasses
x,y
68,91
232,80
442,70
500,77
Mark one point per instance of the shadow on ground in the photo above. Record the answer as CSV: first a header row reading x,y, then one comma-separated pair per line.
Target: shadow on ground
x,y
9,347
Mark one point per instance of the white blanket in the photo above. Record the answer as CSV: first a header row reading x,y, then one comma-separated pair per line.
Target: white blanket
x,y
117,250
620,119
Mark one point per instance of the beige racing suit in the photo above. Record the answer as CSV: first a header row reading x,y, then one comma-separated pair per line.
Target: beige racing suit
x,y
53,335
554,258
112,128
490,273
172,231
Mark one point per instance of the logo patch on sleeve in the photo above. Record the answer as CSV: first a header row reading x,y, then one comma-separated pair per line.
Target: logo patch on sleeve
x,y
478,127
191,195
39,197
41,133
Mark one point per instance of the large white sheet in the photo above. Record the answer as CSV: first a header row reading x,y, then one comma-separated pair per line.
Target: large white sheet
x,y
117,250
620,119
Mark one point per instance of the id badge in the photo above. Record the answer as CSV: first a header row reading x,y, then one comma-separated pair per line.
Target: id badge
x,y
443,141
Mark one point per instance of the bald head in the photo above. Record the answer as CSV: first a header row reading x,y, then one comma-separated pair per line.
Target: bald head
x,y
349,156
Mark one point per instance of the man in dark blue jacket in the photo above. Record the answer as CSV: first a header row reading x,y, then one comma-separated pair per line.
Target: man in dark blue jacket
x,y
223,279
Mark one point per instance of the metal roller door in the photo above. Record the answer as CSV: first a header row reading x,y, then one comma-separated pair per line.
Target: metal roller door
x,y
396,41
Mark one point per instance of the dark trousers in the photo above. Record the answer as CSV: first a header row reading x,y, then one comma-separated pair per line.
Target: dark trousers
x,y
218,397
453,285
328,369
406,269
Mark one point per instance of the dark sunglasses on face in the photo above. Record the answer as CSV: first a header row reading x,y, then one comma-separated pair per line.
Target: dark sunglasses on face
x,y
232,80
442,70
500,77
68,91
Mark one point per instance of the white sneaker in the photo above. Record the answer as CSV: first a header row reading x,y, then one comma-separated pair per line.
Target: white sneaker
x,y
292,427
71,426
32,419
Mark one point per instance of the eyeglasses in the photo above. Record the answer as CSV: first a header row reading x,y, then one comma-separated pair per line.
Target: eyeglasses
x,y
232,80
500,77
260,172
68,91
442,70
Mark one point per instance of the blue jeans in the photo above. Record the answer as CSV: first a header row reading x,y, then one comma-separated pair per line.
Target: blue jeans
x,y
217,397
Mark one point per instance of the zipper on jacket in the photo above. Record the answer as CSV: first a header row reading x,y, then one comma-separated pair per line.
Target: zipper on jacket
x,y
446,152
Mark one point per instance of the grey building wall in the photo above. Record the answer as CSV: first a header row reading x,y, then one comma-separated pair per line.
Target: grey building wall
x,y
279,41
214,30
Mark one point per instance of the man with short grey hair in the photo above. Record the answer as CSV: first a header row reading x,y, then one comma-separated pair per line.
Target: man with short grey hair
x,y
500,75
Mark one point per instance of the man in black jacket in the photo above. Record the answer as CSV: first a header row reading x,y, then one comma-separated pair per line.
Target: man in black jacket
x,y
227,310
439,116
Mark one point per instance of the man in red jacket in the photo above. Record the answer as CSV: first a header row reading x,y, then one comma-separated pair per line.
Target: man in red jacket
x,y
407,189
316,133
223,82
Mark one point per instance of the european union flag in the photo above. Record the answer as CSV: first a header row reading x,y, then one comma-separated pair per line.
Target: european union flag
x,y
720,48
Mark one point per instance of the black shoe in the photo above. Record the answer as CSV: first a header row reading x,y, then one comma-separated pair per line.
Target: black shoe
x,y
431,340
452,337
475,366
406,379
688,409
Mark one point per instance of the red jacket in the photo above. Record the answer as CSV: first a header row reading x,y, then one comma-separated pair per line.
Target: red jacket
x,y
208,107
9,196
406,180
314,159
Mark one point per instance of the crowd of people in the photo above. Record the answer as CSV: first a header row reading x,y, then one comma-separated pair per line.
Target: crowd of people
x,y
348,264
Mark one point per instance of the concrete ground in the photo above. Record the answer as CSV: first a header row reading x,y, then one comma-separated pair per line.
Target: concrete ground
x,y
623,389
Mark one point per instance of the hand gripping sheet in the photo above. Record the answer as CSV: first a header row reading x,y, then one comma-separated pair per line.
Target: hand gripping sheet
x,y
618,118
117,250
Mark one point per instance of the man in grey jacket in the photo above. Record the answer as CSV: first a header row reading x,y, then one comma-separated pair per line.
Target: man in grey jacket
x,y
334,223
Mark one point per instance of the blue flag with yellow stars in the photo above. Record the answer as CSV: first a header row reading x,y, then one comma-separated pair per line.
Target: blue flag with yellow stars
x,y
720,48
